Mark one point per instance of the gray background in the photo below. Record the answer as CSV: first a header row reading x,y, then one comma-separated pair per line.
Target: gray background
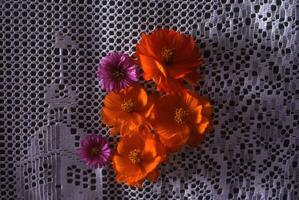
x,y
50,96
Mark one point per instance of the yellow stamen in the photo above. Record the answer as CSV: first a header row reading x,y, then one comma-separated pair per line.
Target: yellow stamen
x,y
128,105
134,156
180,115
168,54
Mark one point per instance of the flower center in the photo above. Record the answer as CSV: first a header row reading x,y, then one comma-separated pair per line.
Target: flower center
x,y
118,74
94,151
180,115
134,156
168,54
128,105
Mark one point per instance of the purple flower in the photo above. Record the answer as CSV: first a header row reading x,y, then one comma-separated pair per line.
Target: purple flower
x,y
95,150
117,71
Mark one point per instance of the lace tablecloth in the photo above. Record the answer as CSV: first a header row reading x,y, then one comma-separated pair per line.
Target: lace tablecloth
x,y
50,96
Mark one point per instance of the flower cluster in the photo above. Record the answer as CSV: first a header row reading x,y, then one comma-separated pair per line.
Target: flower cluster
x,y
150,127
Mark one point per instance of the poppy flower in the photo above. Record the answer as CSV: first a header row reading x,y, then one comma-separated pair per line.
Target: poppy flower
x,y
168,57
117,71
126,110
137,157
95,150
181,119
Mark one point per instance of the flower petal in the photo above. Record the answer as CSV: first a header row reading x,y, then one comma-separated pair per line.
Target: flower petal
x,y
125,166
151,67
129,143
173,136
195,137
184,58
142,97
151,165
117,71
196,114
204,124
153,176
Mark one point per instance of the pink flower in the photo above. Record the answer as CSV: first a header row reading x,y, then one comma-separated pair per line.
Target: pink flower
x,y
95,150
117,71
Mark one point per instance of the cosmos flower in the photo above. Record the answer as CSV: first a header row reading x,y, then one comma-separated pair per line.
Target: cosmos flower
x,y
95,150
181,119
150,126
137,157
168,57
198,130
117,71
126,110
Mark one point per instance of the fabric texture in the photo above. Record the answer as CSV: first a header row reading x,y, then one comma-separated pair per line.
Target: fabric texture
x,y
50,96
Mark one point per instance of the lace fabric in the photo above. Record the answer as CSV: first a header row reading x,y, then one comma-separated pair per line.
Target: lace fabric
x,y
50,96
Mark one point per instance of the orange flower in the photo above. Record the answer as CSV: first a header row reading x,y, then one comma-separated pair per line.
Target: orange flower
x,y
181,119
137,157
197,131
168,57
126,110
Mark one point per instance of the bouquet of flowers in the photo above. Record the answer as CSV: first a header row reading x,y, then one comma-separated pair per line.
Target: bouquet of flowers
x,y
149,126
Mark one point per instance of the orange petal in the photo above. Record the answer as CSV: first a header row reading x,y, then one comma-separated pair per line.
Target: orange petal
x,y
173,136
125,167
112,108
204,124
207,109
129,180
129,143
178,71
146,47
192,77
149,67
149,109
169,85
108,116
150,150
197,116
114,130
141,97
153,176
150,165
112,101
195,139
187,50
135,120
126,130
161,68
178,41
190,100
